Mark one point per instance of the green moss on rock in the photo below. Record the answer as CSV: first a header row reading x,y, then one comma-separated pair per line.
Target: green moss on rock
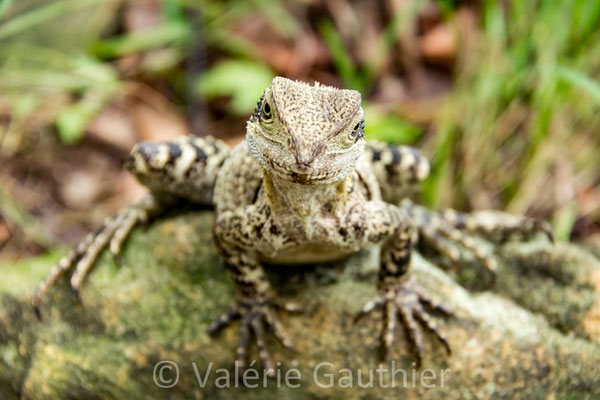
x,y
527,336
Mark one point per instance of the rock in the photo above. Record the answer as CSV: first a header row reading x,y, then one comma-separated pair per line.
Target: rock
x,y
532,334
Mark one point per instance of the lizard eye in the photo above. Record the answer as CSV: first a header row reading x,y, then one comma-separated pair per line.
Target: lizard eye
x,y
266,112
358,132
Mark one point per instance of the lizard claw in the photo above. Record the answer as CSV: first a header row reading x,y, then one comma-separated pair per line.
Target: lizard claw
x,y
404,300
37,312
255,315
545,228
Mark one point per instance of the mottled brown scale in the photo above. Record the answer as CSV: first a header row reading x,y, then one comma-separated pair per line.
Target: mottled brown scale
x,y
312,117
303,187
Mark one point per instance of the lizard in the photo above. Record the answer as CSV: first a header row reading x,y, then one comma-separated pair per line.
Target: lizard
x,y
303,187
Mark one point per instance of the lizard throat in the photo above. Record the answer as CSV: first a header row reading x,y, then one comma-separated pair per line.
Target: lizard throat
x,y
304,200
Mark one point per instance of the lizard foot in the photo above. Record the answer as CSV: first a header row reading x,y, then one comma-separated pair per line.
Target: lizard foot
x,y
111,234
445,238
447,230
436,230
255,315
405,299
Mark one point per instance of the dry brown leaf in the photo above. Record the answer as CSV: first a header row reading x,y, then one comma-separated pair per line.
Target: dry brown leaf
x,y
154,125
114,126
142,14
5,233
390,89
82,188
438,45
291,58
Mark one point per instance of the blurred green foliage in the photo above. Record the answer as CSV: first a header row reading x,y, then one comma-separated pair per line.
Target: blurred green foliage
x,y
44,64
242,80
168,34
362,77
524,102
538,59
389,127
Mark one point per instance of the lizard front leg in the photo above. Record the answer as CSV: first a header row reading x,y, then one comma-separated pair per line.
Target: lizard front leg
x,y
255,306
182,170
111,234
442,230
399,170
398,296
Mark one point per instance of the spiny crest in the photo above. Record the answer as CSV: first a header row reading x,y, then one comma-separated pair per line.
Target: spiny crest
x,y
331,105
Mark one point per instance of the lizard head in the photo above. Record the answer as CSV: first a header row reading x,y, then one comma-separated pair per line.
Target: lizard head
x,y
307,134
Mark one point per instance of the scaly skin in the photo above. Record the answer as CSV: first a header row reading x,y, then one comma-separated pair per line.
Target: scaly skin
x,y
303,187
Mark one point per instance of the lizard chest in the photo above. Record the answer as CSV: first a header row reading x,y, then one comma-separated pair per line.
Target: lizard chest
x,y
294,241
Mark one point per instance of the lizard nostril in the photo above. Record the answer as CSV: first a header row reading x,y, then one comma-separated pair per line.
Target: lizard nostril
x,y
299,167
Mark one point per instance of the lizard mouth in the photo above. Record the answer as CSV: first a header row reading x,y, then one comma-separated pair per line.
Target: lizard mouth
x,y
297,173
311,176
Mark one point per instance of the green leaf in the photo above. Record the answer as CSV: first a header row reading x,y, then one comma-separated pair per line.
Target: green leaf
x,y
243,81
71,123
73,119
391,129
341,58
563,221
140,41
4,6
579,80
40,15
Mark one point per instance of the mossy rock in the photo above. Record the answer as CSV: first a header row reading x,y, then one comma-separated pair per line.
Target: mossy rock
x,y
535,333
